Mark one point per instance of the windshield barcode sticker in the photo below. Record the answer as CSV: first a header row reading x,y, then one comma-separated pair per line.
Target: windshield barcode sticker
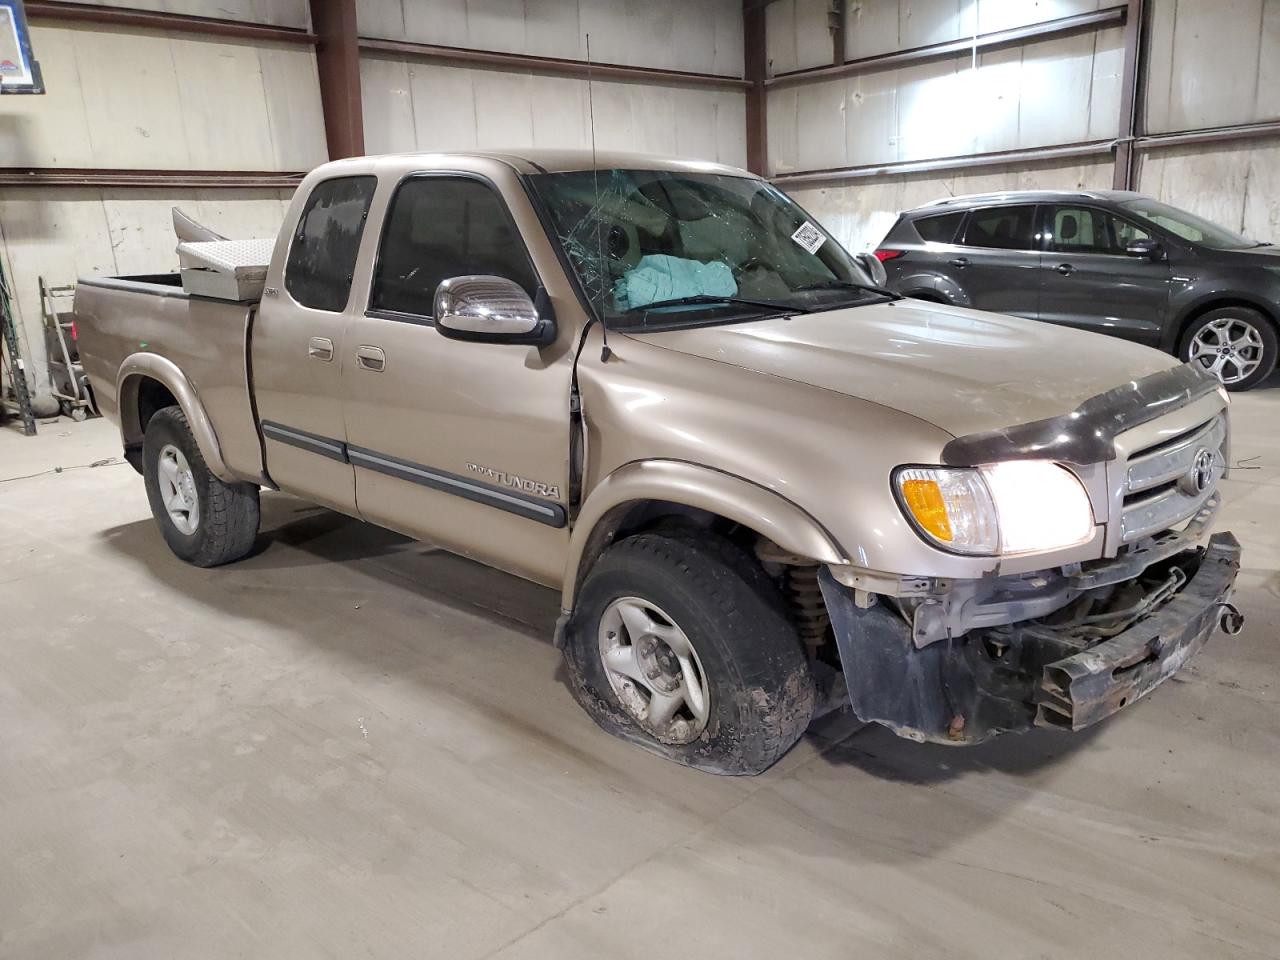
x,y
809,237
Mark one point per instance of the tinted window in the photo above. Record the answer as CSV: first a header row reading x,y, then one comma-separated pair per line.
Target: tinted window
x,y
1004,228
322,256
442,227
1088,230
939,229
1187,225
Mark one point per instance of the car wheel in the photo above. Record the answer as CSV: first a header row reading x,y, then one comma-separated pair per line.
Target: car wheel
x,y
681,643
204,521
1236,344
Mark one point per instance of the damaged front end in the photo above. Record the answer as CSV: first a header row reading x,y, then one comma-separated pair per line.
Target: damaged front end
x,y
1058,648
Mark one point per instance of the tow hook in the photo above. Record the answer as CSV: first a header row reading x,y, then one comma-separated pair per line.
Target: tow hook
x,y
1232,620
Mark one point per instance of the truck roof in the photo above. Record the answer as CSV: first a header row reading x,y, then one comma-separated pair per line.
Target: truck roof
x,y
533,161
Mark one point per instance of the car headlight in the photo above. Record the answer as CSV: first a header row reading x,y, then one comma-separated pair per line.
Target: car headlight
x,y
1019,506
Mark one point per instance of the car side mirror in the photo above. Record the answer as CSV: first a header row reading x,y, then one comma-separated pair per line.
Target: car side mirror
x,y
873,267
1150,249
492,310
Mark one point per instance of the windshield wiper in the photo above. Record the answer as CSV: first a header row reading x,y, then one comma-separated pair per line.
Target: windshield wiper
x,y
848,285
711,299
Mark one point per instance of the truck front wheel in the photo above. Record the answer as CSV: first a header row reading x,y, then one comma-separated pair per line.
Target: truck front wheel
x,y
681,643
205,522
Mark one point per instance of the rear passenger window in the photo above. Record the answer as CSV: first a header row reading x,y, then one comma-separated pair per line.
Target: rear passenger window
x,y
322,255
1002,228
939,229
442,227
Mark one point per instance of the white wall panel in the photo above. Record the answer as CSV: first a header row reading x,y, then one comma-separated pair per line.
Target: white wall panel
x,y
276,13
798,35
70,232
1234,184
1213,64
883,26
703,36
1057,91
425,106
860,213
184,103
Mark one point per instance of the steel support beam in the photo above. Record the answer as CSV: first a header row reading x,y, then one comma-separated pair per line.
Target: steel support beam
x,y
89,177
837,18
1182,138
1030,155
338,64
1123,175
1064,26
559,66
86,13
756,65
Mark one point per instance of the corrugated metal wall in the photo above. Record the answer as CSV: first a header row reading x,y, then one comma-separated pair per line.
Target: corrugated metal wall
x,y
148,99
1208,65
414,105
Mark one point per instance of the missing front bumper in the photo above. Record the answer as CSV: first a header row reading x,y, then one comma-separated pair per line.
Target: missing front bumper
x,y
1082,689
986,683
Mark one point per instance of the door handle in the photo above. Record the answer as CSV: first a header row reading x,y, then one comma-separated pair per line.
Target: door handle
x,y
1065,269
960,262
371,358
320,348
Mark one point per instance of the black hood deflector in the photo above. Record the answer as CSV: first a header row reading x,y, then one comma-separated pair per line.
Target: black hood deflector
x,y
1087,434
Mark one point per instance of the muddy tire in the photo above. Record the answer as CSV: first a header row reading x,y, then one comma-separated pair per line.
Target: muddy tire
x,y
204,521
689,610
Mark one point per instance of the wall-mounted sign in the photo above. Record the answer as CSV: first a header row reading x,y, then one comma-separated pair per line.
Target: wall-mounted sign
x,y
19,71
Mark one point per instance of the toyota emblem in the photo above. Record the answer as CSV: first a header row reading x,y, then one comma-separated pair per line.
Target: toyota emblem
x,y
1200,476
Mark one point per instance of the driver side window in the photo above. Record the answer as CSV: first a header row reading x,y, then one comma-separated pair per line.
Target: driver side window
x,y
442,227
1090,230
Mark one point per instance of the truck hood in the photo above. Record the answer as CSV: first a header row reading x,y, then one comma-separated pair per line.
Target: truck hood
x,y
964,371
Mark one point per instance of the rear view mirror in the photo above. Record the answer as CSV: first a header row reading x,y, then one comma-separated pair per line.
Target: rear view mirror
x,y
874,268
491,310
1151,249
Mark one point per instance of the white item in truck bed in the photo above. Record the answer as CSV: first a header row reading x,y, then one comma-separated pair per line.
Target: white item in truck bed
x,y
225,269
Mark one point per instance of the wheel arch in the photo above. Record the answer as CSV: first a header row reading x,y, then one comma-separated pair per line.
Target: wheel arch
x,y
643,492
143,382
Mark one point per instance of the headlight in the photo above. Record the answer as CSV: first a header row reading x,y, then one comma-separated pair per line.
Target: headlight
x,y
1020,506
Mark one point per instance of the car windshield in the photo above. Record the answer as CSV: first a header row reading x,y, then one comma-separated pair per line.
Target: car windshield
x,y
660,247
1188,226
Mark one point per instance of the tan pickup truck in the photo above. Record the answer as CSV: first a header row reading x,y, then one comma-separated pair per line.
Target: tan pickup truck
x,y
765,486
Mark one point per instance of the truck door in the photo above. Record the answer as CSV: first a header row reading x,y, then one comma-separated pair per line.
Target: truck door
x,y
296,346
1087,280
998,265
463,444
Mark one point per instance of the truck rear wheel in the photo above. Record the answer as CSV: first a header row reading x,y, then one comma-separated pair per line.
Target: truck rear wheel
x,y
205,522
680,643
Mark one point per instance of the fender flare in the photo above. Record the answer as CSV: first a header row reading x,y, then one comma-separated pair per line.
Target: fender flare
x,y
689,485
139,365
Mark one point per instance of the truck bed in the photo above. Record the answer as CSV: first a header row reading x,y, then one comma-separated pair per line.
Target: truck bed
x,y
124,323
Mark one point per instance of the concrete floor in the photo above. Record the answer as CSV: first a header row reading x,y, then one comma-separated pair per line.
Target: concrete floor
x,y
351,745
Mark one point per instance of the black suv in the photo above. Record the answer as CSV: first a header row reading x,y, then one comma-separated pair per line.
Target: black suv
x,y
1109,260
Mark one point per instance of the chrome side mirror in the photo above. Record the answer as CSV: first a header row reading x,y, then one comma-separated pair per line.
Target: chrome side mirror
x,y
873,267
490,310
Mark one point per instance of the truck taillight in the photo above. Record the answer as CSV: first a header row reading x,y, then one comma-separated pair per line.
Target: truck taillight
x,y
882,255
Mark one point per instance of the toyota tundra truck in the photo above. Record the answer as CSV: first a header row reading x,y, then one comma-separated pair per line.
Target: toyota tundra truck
x,y
764,486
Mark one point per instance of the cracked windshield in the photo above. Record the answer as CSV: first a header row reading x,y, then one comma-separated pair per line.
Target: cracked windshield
x,y
654,247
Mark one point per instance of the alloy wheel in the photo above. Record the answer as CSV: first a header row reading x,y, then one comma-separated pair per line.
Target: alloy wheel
x,y
1230,348
178,489
654,669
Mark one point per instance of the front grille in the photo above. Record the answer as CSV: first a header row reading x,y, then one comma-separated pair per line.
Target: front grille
x,y
1161,484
